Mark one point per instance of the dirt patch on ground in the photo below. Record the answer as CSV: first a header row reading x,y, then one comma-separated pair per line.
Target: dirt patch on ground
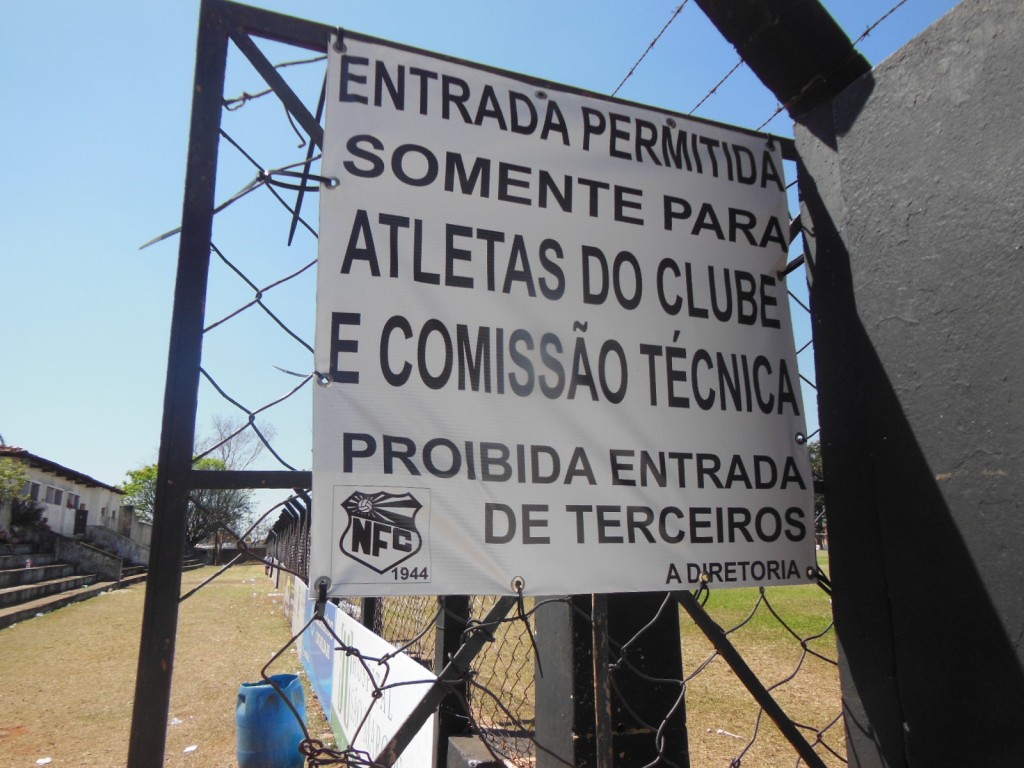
x,y
69,676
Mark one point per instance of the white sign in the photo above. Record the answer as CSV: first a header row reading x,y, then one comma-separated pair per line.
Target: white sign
x,y
554,346
374,692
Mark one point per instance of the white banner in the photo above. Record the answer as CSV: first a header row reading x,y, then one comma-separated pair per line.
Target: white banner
x,y
554,348
374,692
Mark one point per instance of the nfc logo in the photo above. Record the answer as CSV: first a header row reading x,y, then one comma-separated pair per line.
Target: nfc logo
x,y
370,537
381,531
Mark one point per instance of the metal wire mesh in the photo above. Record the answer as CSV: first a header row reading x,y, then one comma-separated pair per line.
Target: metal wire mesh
x,y
784,635
407,623
795,658
501,697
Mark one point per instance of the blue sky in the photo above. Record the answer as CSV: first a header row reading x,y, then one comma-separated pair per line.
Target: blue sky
x,y
96,108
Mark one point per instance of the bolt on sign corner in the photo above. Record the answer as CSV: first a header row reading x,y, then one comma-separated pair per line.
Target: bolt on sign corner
x,y
553,346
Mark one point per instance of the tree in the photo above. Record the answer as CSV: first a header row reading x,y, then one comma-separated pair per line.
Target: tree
x,y
232,444
140,491
209,509
235,441
261,529
13,478
213,509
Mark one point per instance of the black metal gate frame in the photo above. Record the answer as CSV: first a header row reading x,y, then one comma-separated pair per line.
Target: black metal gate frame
x,y
221,21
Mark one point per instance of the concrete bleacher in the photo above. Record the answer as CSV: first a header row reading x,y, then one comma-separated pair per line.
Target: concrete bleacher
x,y
34,582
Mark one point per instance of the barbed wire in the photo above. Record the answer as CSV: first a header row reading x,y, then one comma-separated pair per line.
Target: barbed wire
x,y
650,47
871,28
716,86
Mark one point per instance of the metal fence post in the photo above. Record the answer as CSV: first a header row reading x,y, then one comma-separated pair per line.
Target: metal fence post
x,y
606,695
371,605
163,583
647,667
451,719
564,683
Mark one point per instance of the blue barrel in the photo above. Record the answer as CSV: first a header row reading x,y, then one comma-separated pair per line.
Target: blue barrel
x,y
269,734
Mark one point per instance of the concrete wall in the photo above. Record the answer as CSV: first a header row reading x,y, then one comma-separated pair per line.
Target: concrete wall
x,y
88,559
915,211
139,532
123,547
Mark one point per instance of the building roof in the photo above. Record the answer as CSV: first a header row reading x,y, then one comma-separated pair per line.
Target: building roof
x,y
54,468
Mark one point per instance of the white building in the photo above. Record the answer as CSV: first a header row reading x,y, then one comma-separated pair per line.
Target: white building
x,y
71,500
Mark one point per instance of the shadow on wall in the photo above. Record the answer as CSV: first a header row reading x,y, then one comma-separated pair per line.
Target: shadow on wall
x,y
924,649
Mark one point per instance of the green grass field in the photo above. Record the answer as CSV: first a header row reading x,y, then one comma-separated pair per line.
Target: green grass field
x,y
69,676
722,714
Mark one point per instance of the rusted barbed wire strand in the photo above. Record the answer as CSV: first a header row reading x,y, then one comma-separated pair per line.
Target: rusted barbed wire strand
x,y
716,86
650,47
871,27
822,77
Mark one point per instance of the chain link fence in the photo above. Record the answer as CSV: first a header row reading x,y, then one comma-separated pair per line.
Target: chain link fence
x,y
782,638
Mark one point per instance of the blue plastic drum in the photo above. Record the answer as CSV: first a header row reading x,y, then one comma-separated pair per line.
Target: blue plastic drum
x,y
269,734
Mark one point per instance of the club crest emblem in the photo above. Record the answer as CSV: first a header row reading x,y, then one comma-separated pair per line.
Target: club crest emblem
x,y
381,530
